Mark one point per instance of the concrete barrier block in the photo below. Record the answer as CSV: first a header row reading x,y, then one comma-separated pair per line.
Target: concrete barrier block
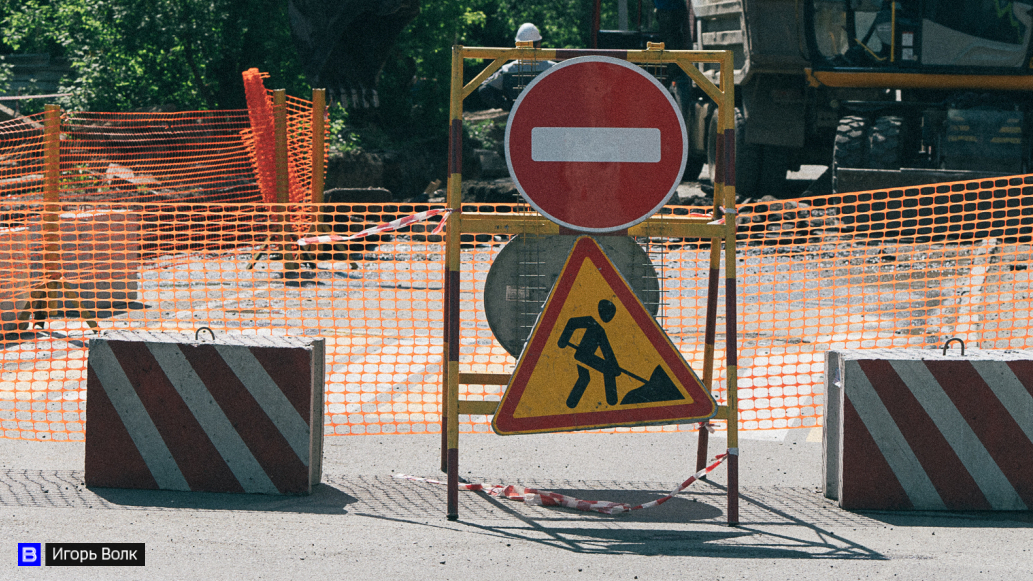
x,y
916,429
235,414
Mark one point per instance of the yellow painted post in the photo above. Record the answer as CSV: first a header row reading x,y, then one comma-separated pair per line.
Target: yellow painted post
x,y
453,231
710,330
318,144
282,176
727,127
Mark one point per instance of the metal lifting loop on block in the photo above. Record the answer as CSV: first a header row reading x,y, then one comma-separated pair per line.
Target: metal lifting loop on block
x,y
197,333
951,340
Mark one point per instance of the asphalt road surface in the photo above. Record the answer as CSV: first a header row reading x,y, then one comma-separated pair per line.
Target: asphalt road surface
x,y
362,523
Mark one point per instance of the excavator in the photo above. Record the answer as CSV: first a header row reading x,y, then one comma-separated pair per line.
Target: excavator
x,y
344,44
886,93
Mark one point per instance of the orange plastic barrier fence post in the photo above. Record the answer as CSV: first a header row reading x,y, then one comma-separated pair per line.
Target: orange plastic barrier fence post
x,y
45,298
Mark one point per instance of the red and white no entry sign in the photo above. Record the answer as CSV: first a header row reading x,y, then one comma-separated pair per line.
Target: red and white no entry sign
x,y
596,144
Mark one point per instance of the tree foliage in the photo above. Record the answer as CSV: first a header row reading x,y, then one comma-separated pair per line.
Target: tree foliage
x,y
189,54
137,53
415,83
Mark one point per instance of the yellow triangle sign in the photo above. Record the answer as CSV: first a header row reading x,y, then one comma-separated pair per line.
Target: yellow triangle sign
x,y
597,359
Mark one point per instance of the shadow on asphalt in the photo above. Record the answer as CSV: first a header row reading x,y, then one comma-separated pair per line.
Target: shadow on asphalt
x,y
325,499
677,510
970,519
693,525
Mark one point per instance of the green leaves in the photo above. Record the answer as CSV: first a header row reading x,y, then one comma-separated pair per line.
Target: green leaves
x,y
189,54
182,54
415,82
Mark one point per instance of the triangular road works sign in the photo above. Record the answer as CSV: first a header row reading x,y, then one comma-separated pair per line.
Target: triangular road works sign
x,y
597,359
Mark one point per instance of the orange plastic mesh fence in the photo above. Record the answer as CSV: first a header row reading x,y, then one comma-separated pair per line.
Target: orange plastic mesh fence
x,y
191,244
906,268
299,147
261,145
161,157
21,156
259,138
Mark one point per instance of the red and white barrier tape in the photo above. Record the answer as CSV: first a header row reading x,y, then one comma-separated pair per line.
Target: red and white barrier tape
x,y
544,498
389,227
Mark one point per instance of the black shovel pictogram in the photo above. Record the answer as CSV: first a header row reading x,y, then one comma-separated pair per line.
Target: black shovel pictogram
x,y
659,387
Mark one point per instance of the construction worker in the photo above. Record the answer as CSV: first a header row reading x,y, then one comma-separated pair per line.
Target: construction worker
x,y
586,353
502,88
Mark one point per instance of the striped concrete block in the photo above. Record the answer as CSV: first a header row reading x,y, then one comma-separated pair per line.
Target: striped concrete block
x,y
238,414
910,429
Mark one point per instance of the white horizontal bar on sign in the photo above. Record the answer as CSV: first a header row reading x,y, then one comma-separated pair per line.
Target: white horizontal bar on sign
x,y
596,144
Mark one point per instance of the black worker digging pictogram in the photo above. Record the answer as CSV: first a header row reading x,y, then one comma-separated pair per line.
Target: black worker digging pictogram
x,y
657,388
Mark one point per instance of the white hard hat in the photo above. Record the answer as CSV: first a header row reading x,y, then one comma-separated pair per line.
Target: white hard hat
x,y
528,31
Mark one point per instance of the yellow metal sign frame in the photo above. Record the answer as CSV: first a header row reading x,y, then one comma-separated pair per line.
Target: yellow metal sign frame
x,y
718,227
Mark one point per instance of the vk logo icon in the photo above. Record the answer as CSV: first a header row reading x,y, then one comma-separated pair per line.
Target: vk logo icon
x,y
29,555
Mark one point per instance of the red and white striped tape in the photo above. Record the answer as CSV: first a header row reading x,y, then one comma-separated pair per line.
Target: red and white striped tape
x,y
544,498
389,227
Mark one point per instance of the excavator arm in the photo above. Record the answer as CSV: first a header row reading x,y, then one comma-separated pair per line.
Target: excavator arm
x,y
344,44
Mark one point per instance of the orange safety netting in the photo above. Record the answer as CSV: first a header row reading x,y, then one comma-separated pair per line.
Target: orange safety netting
x,y
162,157
21,157
260,138
299,148
161,217
261,141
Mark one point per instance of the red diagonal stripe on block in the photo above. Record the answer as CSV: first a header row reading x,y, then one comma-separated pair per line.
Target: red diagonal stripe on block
x,y
1023,370
201,464
995,427
956,486
259,433
291,370
868,481
112,459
